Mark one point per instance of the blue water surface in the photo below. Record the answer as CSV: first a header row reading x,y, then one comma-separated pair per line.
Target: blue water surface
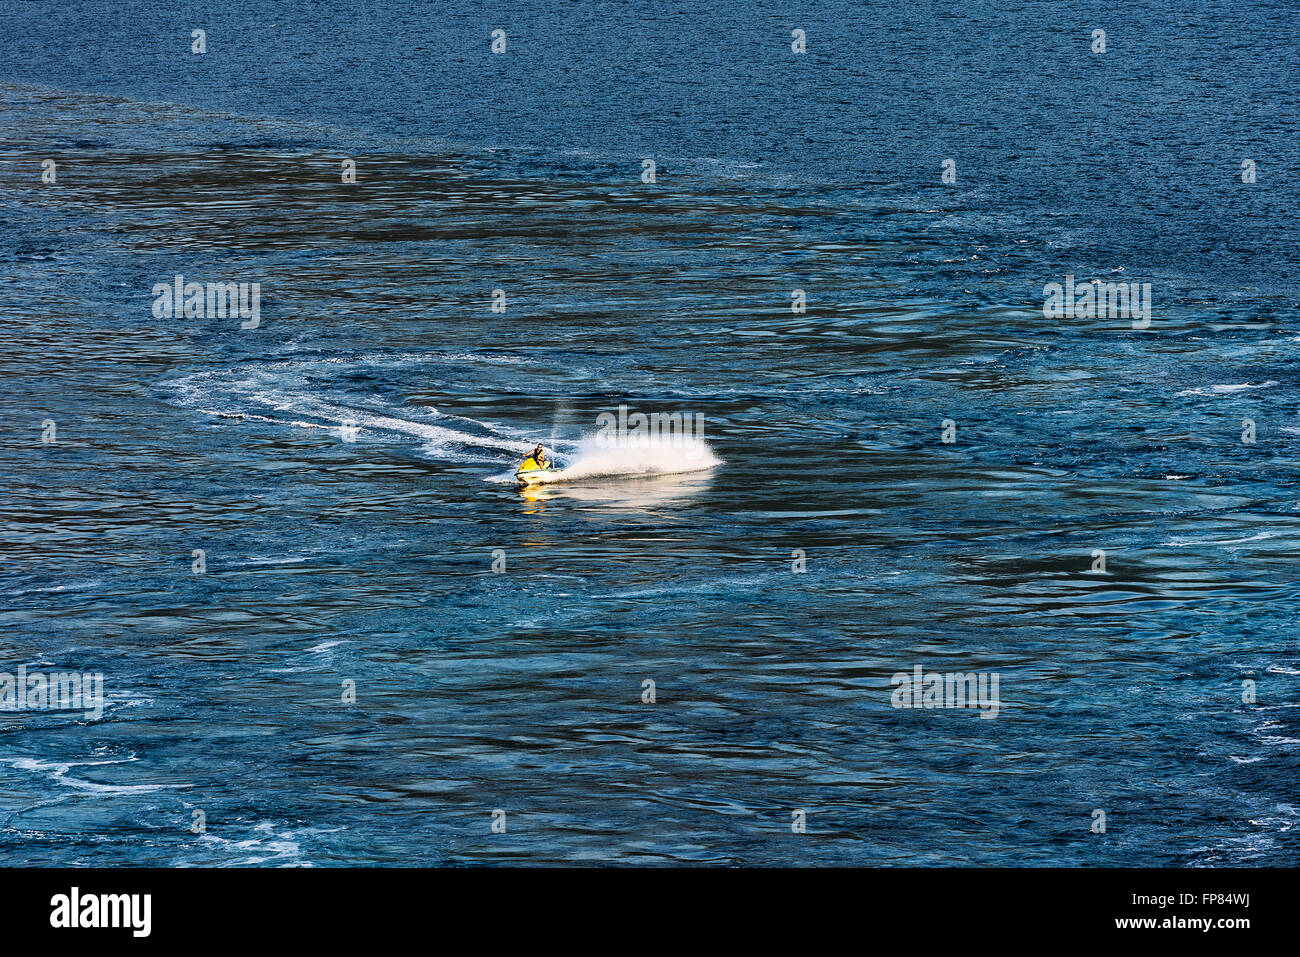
x,y
772,598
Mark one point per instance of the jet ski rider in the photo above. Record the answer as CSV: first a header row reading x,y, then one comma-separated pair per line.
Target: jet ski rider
x,y
536,459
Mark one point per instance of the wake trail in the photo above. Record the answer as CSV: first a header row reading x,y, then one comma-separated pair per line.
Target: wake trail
x,y
253,398
264,396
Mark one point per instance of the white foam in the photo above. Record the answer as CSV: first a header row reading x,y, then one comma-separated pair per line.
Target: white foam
x,y
274,844
1229,389
657,456
1180,543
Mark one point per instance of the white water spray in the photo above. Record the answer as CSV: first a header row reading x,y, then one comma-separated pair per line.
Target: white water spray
x,y
656,455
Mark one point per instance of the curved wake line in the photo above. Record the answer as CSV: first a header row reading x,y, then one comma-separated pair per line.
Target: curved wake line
x,y
340,418
259,395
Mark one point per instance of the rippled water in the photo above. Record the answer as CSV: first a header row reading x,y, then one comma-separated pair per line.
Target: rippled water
x,y
370,561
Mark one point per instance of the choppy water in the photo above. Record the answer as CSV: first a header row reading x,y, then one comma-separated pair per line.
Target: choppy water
x,y
370,561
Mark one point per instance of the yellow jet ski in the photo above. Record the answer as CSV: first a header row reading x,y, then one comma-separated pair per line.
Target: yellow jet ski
x,y
536,476
531,472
